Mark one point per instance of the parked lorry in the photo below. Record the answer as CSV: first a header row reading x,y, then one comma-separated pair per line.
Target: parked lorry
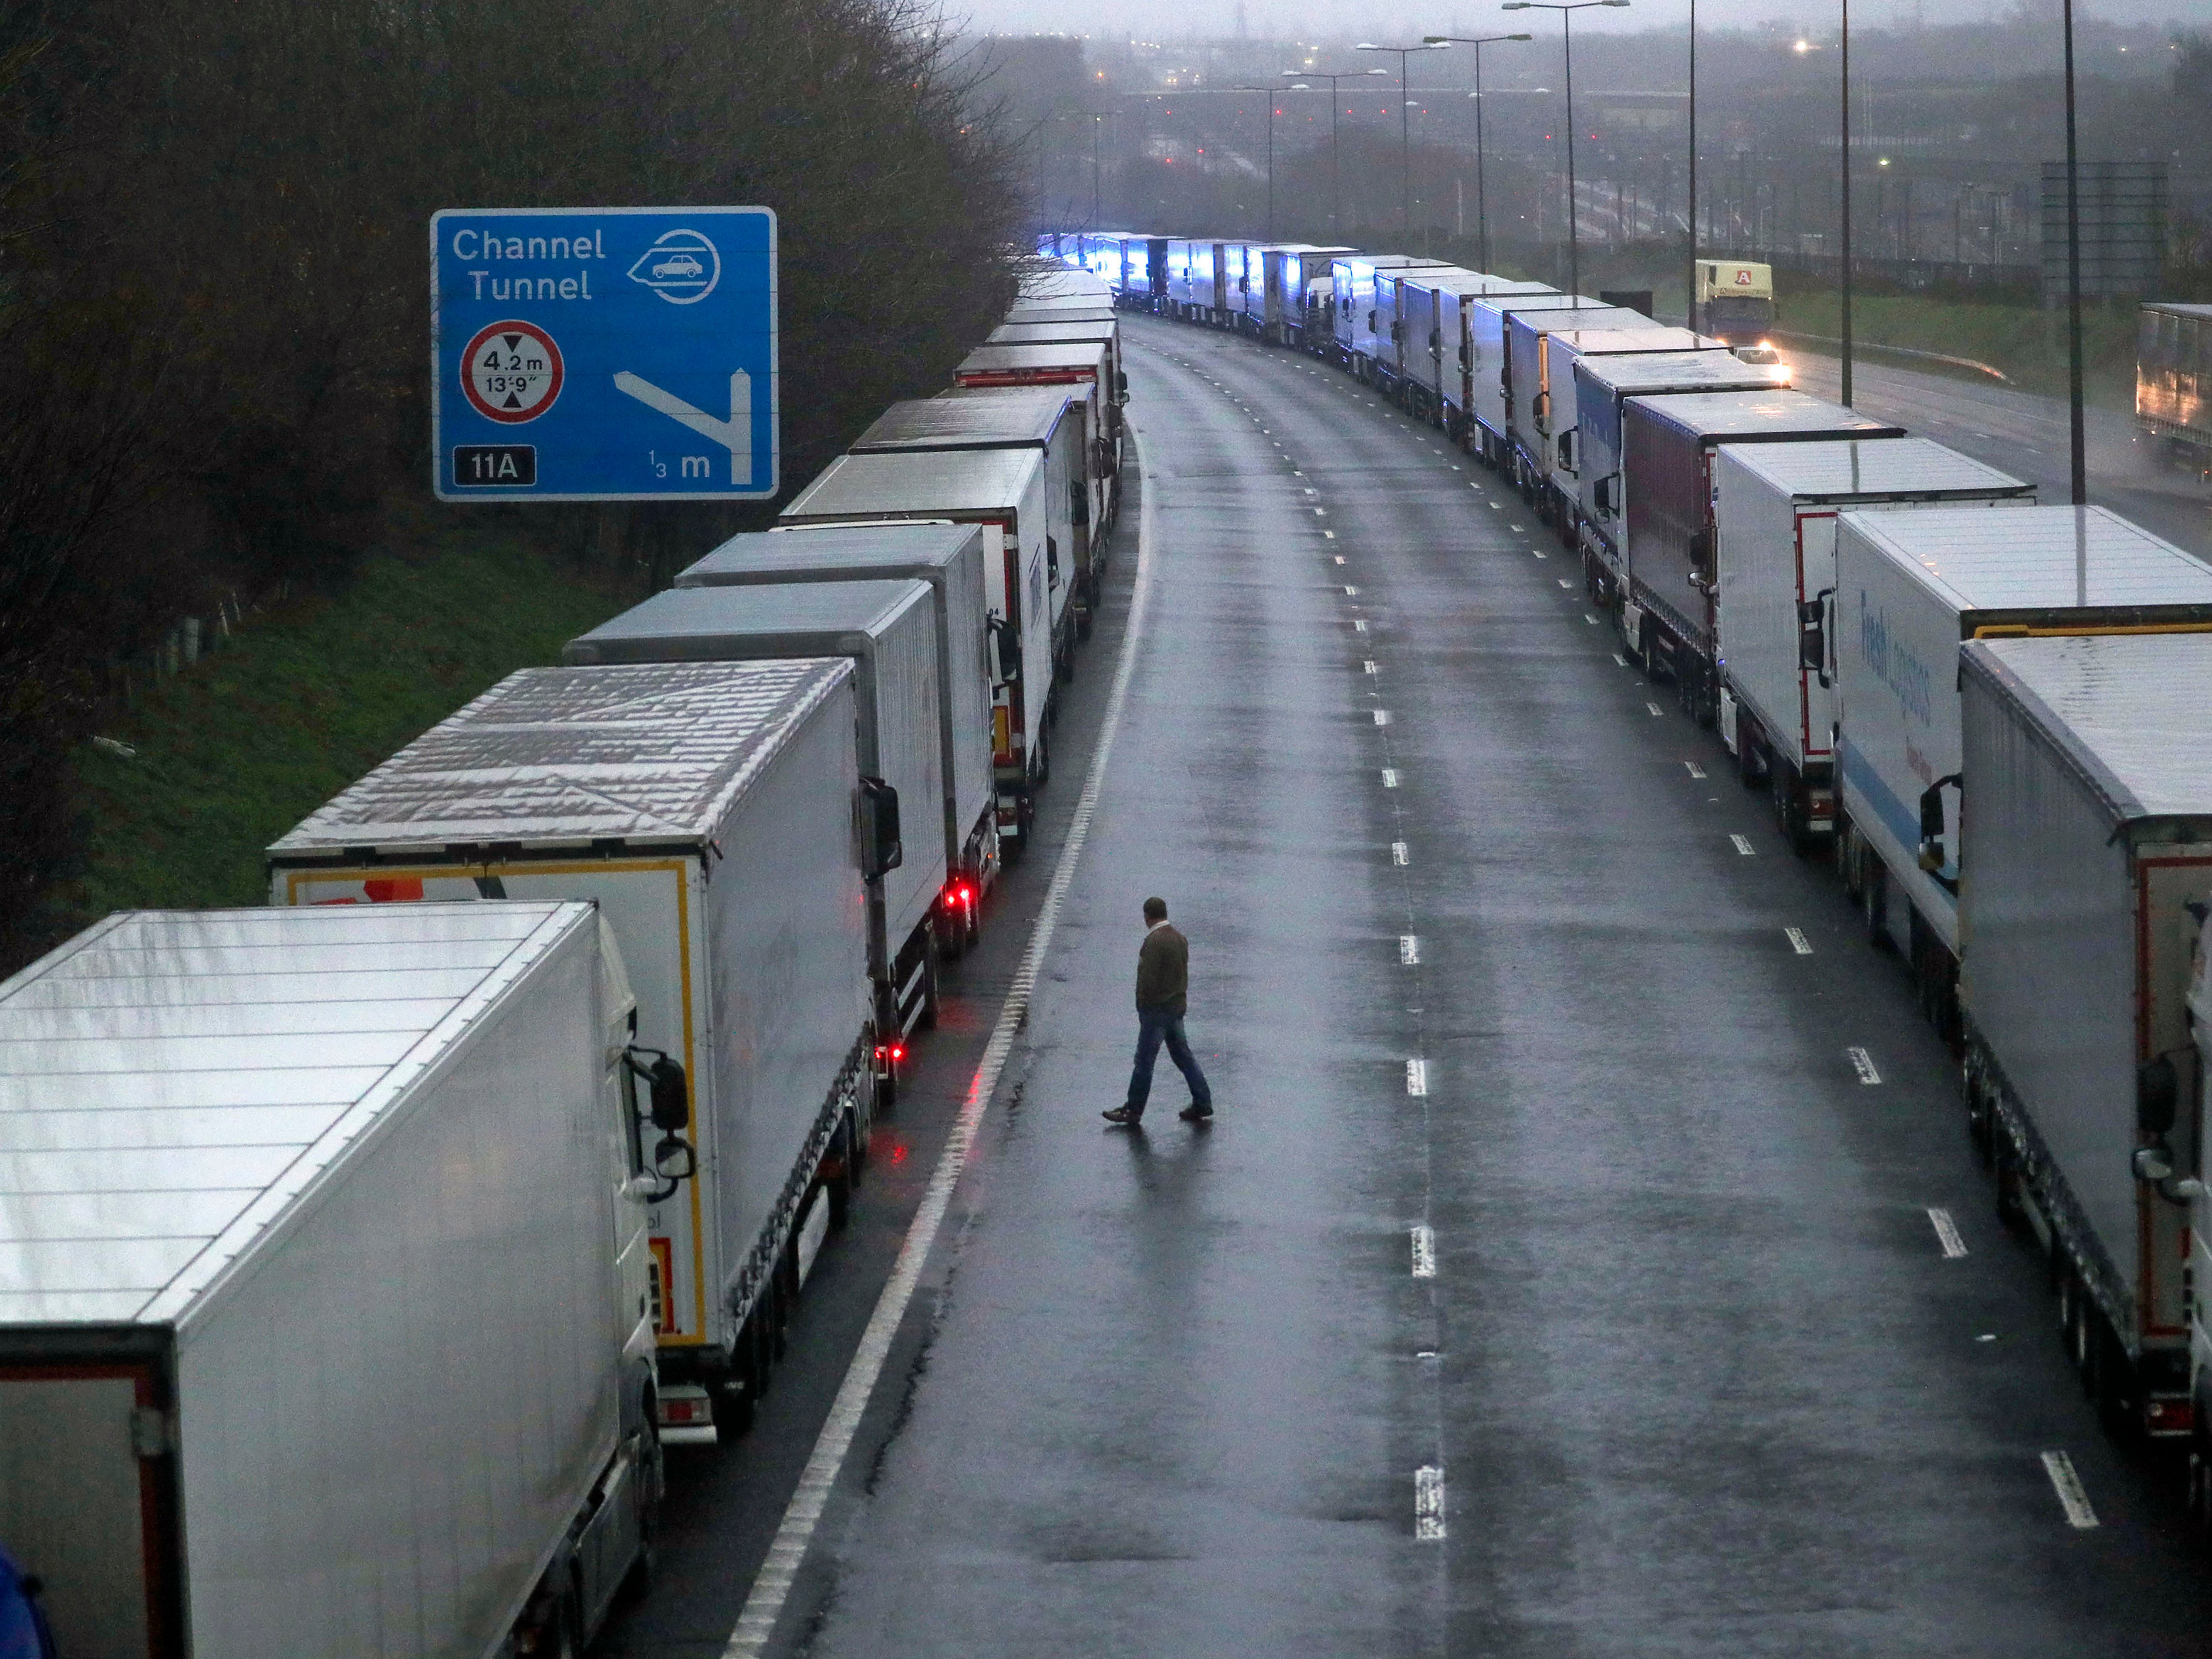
x,y
1005,491
949,558
1592,459
1090,364
1527,382
888,630
1290,269
1733,300
1775,507
1352,280
1910,586
2085,867
1057,421
1396,352
1671,618
1490,389
1556,409
1434,360
1194,279
716,814
2174,381
325,1329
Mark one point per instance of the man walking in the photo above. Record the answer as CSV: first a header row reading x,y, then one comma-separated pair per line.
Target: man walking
x,y
1163,996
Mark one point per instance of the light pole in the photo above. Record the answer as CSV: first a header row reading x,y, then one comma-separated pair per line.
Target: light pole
x,y
1566,9
1690,294
1405,122
1295,86
1481,206
1845,47
2076,439
1335,109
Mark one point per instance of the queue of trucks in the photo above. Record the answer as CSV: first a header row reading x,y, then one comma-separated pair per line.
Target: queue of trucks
x,y
364,1257
1989,712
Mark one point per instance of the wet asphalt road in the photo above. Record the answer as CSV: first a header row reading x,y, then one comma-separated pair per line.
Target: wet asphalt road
x,y
1694,1368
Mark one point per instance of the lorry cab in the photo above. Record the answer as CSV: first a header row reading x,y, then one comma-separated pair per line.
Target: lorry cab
x,y
1733,301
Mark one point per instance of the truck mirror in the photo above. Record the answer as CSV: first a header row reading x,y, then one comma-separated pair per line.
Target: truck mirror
x,y
2157,1098
1052,559
670,1108
1078,501
879,829
1120,383
1931,812
1605,495
674,1160
1704,548
2154,1163
1812,635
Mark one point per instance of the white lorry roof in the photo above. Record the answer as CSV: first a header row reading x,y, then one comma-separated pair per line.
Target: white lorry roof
x,y
650,752
1851,469
2128,709
982,417
1019,359
2035,558
1630,374
171,1083
1752,416
918,484
819,618
902,549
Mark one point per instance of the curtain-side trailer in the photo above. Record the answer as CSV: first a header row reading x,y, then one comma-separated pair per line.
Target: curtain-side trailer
x,y
326,1328
714,813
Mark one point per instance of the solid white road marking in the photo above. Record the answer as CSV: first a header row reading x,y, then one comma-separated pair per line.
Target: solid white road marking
x,y
1695,770
1409,949
2068,1484
1397,852
1389,777
1417,1078
771,1588
1428,1504
1798,942
1382,717
1622,660
1863,1063
1947,1234
1743,845
1425,1253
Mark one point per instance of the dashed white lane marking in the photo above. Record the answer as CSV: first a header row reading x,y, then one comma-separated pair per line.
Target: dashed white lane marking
x,y
1798,942
1622,660
1350,593
1495,506
1398,852
1564,582
1429,1503
1339,557
1382,717
1389,777
1321,512
1539,553
1743,844
1425,1253
1863,1063
1591,620
1359,624
1695,770
1409,949
1656,711
786,1550
1330,534
1372,666
1294,473
2068,1484
1517,529
1312,491
1947,1234
1417,1078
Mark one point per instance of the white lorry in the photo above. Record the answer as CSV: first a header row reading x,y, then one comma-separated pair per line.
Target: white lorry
x,y
888,630
325,1324
1774,516
1556,411
949,559
2085,868
717,814
1489,389
1910,586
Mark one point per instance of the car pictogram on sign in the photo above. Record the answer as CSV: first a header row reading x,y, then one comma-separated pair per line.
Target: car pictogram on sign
x,y
682,267
511,372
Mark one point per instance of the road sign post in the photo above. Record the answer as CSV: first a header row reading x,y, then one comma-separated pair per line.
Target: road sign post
x,y
604,353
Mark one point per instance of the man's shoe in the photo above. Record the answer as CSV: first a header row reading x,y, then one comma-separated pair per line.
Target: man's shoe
x,y
1193,1113
1123,1116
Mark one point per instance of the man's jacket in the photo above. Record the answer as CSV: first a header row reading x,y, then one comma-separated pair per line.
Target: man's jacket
x,y
1164,972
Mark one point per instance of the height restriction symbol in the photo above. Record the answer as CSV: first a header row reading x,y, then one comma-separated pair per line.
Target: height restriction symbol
x,y
511,372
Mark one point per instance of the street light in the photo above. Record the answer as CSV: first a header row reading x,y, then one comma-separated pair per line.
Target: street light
x,y
1481,207
1295,86
1845,72
1566,9
2076,437
1335,109
1406,121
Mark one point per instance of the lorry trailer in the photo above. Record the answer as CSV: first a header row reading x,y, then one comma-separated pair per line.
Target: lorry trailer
x,y
1290,269
949,559
1910,586
1352,283
1668,446
1528,414
1774,520
1005,491
2173,381
327,1331
716,814
1435,359
1490,389
1556,500
2085,867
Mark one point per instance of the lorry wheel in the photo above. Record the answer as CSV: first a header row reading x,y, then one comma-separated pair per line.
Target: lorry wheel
x,y
1875,906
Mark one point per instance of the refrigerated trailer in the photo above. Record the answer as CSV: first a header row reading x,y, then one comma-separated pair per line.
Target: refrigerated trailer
x,y
1593,463
2084,869
325,1321
716,814
1527,378
1435,359
888,630
1087,366
1352,284
1490,389
1774,522
1556,415
1396,352
1004,490
1667,448
1910,586
949,559
1290,269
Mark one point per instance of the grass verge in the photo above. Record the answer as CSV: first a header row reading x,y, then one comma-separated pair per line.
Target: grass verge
x,y
236,750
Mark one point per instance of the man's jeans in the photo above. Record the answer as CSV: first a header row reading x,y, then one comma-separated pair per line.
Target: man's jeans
x,y
1154,1027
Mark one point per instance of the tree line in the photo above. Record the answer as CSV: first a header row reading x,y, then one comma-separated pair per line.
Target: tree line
x,y
213,326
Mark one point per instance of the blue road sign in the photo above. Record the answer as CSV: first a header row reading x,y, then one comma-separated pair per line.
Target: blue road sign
x,y
604,353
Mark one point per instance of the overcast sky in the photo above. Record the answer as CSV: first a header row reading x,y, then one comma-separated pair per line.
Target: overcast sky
x,y
1177,20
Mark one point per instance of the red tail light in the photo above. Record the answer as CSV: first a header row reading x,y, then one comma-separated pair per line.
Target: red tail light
x,y
2169,1417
